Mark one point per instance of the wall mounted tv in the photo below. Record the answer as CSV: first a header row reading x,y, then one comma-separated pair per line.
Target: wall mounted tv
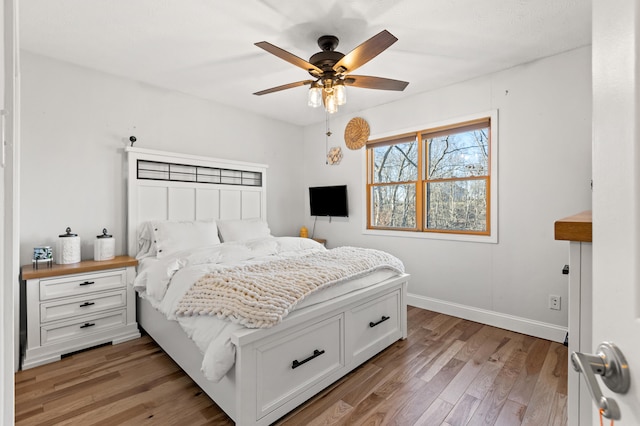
x,y
329,201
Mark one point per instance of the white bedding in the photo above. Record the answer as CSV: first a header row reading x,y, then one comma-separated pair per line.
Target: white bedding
x,y
164,281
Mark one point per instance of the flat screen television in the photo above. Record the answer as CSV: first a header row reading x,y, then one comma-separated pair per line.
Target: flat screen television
x,y
329,201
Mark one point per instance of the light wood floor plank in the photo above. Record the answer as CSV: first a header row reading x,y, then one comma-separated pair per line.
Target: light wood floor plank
x,y
511,414
444,327
558,416
435,414
484,381
443,359
456,388
468,328
387,412
390,367
539,407
356,388
528,376
490,407
418,404
436,322
332,416
463,410
448,371
474,343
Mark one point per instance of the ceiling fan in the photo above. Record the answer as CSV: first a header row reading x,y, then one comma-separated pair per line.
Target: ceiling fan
x,y
331,70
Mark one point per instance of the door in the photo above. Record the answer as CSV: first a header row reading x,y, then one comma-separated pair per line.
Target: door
x,y
616,191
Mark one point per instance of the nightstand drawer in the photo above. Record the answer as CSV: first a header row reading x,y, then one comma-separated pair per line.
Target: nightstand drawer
x,y
52,333
76,285
91,303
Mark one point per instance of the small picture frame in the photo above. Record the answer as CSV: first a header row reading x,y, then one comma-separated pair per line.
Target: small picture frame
x,y
42,255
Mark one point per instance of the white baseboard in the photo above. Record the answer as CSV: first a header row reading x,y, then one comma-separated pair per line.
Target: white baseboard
x,y
539,329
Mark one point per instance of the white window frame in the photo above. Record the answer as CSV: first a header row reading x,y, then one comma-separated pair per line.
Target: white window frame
x,y
493,185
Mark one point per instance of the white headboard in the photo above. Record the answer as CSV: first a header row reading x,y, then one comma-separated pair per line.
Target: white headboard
x,y
171,186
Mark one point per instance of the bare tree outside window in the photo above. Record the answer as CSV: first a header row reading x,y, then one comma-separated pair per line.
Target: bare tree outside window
x,y
396,169
432,181
456,189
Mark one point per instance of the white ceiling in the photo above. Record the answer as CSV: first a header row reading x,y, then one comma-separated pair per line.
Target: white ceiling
x,y
206,47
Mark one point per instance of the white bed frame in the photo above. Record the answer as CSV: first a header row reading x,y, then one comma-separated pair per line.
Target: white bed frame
x,y
328,339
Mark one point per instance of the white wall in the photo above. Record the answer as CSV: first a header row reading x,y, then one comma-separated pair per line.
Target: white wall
x,y
545,171
76,123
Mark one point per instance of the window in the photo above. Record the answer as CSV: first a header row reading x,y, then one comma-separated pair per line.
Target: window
x,y
437,180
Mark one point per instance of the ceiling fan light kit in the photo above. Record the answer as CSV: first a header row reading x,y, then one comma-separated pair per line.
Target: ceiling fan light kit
x,y
340,92
315,96
331,70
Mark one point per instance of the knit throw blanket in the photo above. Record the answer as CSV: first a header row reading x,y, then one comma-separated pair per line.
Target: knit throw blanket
x,y
261,295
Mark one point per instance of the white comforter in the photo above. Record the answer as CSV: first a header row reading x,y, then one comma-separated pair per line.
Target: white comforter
x,y
163,282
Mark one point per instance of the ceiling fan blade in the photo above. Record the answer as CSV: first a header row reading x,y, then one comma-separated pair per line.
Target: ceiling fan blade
x,y
368,82
365,52
289,57
283,87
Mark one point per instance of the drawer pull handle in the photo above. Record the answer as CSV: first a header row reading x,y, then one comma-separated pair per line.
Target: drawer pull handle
x,y
383,319
296,363
88,324
87,304
88,283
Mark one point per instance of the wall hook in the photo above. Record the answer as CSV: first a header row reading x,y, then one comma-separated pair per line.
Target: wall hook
x,y
132,139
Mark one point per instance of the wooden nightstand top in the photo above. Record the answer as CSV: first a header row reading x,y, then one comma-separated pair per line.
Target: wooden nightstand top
x,y
30,273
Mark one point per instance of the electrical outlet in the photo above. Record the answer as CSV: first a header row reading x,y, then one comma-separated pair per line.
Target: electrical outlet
x,y
554,302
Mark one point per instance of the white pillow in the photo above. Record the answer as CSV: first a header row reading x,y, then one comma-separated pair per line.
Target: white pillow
x,y
171,237
146,245
242,230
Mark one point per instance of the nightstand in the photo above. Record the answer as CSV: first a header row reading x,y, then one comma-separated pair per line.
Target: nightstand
x,y
321,241
76,306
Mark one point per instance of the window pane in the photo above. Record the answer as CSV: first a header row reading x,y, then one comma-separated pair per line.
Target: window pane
x,y
395,163
394,206
457,205
462,154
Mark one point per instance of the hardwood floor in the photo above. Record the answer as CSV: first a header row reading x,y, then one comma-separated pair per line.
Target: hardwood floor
x,y
448,372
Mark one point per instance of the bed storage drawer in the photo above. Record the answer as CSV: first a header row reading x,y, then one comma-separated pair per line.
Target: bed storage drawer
x,y
297,361
52,333
376,322
75,285
89,304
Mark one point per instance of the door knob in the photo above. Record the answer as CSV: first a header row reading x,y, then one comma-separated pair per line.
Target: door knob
x,y
609,363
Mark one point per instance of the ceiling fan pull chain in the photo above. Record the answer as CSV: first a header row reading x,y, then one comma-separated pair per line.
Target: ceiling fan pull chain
x,y
326,139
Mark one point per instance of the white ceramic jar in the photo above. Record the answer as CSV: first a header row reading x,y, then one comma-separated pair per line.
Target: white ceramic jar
x,y
104,247
68,248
